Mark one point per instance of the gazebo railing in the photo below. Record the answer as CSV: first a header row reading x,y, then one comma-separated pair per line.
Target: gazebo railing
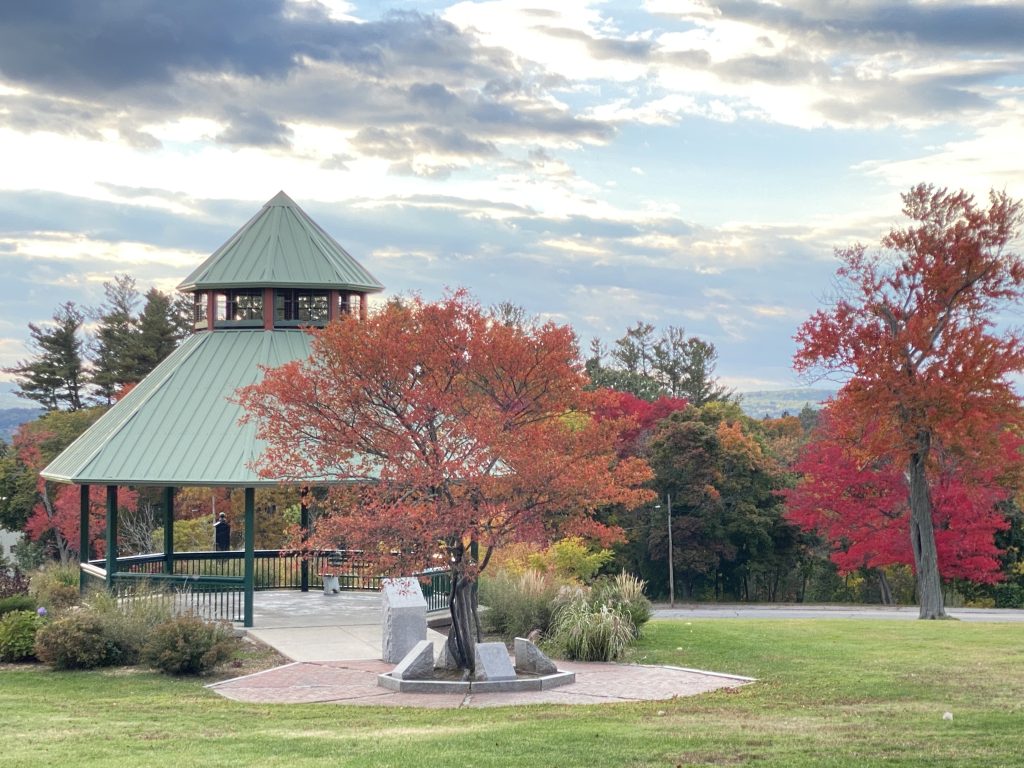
x,y
212,584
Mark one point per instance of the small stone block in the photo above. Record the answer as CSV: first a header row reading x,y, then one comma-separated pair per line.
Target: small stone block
x,y
444,658
404,617
493,663
507,686
418,663
529,658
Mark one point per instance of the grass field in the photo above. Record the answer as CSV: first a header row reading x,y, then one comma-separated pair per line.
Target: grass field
x,y
830,693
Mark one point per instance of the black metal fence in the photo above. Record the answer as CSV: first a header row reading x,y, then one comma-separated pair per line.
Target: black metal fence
x,y
212,584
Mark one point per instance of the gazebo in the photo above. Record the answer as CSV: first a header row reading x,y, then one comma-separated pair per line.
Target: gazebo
x,y
179,427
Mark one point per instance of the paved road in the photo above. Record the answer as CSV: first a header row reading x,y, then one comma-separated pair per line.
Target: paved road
x,y
781,611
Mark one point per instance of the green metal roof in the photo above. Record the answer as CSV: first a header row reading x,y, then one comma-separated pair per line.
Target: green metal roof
x,y
178,426
281,247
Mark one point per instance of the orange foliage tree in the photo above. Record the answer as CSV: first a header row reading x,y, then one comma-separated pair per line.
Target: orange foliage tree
x,y
452,433
914,331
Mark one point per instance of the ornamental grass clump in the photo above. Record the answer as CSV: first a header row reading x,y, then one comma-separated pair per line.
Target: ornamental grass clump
x,y
625,592
584,631
18,631
130,621
518,603
187,645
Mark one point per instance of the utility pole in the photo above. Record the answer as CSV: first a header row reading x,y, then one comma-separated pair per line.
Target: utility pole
x,y
671,572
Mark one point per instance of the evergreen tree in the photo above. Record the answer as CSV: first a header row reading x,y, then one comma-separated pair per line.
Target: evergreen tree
x,y
54,377
157,335
114,341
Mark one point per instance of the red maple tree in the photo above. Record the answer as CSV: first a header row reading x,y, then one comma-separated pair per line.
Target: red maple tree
x,y
928,373
457,434
861,507
58,506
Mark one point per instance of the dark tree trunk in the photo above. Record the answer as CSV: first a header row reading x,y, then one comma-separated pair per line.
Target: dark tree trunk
x,y
922,534
464,633
884,590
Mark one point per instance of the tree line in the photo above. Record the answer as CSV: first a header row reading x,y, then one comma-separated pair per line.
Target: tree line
x,y
72,368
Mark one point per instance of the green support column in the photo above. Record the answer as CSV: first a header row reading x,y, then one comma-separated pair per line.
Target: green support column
x,y
168,530
250,550
111,535
83,534
304,525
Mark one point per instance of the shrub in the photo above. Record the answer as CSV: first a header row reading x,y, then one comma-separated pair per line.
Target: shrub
x,y
129,622
517,604
17,603
572,559
12,583
580,630
79,640
18,635
625,593
187,645
56,587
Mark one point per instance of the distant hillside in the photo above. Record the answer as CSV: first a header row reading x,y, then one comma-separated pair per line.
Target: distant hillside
x,y
775,402
12,418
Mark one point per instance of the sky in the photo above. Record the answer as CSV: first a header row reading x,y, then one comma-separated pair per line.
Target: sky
x,y
687,163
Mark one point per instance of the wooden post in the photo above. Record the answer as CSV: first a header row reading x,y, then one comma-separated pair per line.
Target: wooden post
x,y
363,306
211,309
83,534
671,571
333,304
111,535
268,309
168,530
250,552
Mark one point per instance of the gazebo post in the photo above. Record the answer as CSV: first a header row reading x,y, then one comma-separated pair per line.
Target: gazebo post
x,y
250,552
83,534
169,529
304,525
111,535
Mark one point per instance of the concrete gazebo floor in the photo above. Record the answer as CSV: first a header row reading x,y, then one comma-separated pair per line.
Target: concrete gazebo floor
x,y
312,626
335,642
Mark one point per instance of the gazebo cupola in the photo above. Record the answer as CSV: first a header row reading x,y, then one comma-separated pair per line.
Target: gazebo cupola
x,y
280,270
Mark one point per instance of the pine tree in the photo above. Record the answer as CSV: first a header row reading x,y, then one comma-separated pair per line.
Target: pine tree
x,y
54,377
157,335
112,345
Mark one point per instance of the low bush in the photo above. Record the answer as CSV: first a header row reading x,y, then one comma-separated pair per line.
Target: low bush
x,y
17,603
18,635
79,640
187,645
56,586
517,604
12,582
129,622
587,632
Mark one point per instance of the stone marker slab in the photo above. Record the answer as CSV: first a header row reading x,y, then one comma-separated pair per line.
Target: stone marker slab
x,y
530,658
418,663
404,617
444,658
493,663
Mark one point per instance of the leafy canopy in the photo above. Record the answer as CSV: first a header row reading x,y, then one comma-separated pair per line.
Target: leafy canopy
x,y
455,426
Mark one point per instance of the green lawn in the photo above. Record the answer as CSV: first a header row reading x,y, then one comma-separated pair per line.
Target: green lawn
x,y
835,692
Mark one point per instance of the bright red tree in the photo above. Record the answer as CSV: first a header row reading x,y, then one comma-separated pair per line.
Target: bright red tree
x,y
58,506
861,507
913,330
458,434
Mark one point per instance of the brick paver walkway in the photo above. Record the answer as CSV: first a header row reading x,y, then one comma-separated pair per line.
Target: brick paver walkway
x,y
355,682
